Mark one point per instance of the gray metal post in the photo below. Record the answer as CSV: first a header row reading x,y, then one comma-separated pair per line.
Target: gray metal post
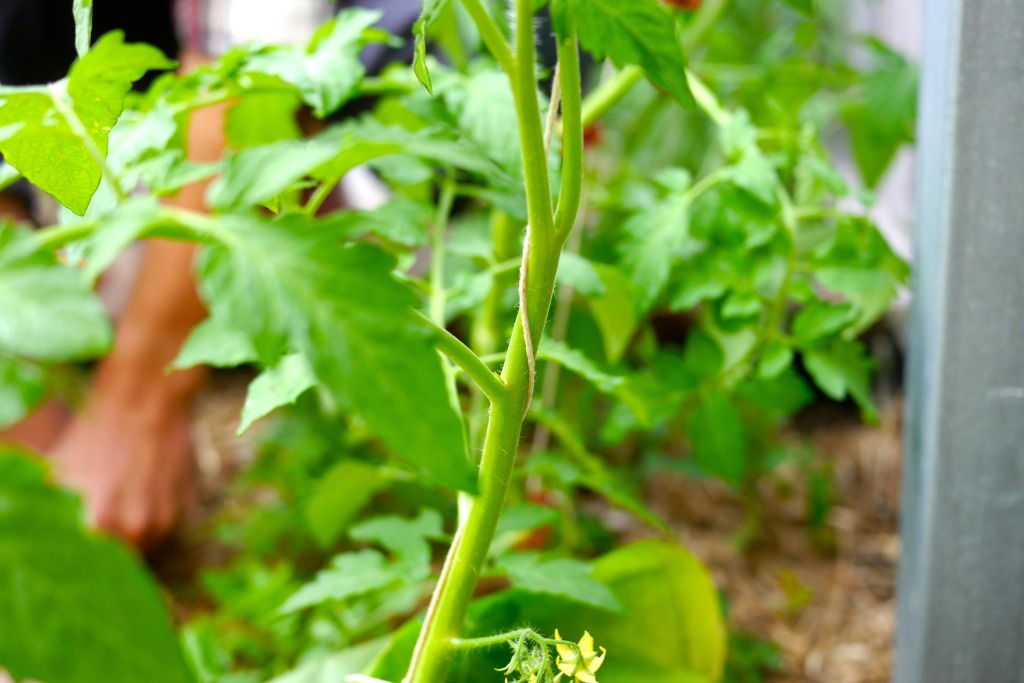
x,y
961,583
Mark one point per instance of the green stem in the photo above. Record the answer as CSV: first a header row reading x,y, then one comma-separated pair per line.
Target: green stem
x,y
460,354
493,38
572,136
320,195
610,93
435,648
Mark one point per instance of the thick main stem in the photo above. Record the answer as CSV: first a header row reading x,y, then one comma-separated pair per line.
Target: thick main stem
x,y
436,647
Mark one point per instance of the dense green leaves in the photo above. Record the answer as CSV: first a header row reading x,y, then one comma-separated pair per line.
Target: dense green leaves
x,y
64,590
49,313
655,236
57,135
292,287
640,32
327,73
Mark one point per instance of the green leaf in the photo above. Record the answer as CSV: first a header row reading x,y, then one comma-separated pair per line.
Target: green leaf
x,y
350,575
257,174
820,320
741,306
339,495
844,369
292,287
334,667
82,10
45,147
261,118
639,32
719,439
737,136
22,387
884,119
615,312
49,312
328,72
755,174
654,238
672,630
213,343
484,109
432,10
278,386
405,538
577,362
580,274
775,358
76,608
570,579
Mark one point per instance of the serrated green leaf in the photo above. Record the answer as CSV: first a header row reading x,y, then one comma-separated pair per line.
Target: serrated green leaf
x,y
754,174
719,439
570,579
339,495
257,174
484,109
49,312
217,345
334,667
653,239
46,148
575,361
407,539
277,386
76,608
580,274
328,72
844,368
672,630
820,320
350,575
640,32
291,286
615,312
737,135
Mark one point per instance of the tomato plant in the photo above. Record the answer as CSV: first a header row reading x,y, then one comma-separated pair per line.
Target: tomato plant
x,y
710,278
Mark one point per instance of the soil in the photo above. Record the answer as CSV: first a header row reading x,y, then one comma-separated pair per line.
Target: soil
x,y
823,597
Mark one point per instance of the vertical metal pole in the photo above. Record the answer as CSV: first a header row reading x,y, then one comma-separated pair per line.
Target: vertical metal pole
x,y
961,583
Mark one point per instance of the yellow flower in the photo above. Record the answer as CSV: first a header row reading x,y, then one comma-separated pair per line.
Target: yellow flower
x,y
581,667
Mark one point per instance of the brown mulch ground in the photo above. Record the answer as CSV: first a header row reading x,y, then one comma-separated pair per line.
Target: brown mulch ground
x,y
825,600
